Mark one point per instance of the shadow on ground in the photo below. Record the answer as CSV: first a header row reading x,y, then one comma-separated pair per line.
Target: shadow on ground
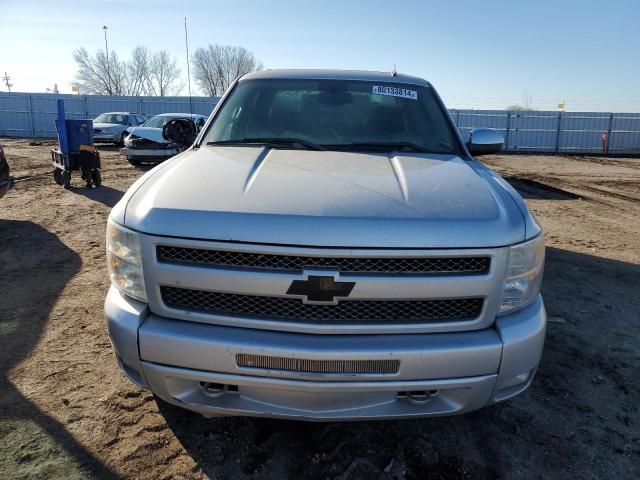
x,y
106,195
534,190
31,283
578,420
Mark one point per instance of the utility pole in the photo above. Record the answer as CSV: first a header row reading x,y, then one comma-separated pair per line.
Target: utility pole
x,y
6,79
106,49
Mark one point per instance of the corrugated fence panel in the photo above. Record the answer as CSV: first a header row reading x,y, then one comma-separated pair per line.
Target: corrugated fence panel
x,y
583,131
15,117
532,140
624,142
33,115
98,104
533,131
625,133
626,122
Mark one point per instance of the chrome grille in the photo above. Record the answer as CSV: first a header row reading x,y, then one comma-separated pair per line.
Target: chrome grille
x,y
293,310
414,265
302,365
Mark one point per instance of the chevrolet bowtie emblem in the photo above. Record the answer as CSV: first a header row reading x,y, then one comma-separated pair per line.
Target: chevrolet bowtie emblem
x,y
320,288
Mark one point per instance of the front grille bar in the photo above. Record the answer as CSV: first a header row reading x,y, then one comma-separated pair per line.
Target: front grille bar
x,y
302,365
474,265
347,311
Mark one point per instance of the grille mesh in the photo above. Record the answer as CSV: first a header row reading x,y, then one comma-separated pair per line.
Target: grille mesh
x,y
430,265
317,366
292,309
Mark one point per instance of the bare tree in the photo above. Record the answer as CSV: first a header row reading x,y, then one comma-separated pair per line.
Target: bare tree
x,y
93,75
164,75
138,71
217,66
144,74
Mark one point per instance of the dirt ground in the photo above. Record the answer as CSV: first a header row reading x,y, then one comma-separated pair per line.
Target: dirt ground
x,y
66,412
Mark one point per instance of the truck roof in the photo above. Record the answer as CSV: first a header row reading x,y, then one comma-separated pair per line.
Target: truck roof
x,y
316,74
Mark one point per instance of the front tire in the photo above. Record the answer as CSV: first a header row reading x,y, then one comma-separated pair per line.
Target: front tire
x,y
133,161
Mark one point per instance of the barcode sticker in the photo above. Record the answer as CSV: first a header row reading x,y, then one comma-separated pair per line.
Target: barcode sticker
x,y
395,92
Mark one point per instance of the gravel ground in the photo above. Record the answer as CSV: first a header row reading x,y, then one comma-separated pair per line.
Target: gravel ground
x,y
66,412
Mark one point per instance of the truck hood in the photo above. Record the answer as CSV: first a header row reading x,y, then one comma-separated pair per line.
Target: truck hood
x,y
325,198
150,133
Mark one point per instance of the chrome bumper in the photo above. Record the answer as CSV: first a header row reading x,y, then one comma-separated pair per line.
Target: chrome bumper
x,y
98,137
132,152
193,365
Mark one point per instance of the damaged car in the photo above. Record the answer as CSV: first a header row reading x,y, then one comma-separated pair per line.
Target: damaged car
x,y
147,144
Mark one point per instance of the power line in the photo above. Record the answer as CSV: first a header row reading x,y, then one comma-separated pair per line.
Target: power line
x,y
6,79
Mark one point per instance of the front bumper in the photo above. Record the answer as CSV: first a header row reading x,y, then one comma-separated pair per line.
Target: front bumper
x,y
148,153
107,137
452,372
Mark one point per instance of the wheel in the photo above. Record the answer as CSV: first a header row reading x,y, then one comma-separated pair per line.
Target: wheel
x,y
66,179
121,142
96,177
57,176
133,161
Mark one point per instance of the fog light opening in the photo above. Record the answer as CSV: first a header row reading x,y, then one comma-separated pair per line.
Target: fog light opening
x,y
217,389
417,397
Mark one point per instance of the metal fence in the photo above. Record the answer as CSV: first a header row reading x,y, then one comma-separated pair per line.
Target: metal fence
x,y
32,115
558,132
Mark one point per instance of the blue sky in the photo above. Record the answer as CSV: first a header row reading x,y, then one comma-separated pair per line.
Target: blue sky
x,y
478,54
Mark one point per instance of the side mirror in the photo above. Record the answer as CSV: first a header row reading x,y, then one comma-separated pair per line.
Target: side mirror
x,y
483,141
180,131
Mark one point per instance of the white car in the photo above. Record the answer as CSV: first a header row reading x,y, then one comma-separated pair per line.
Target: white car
x,y
146,143
112,126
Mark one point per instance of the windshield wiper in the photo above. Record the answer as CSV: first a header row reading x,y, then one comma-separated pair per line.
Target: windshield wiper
x,y
270,141
385,146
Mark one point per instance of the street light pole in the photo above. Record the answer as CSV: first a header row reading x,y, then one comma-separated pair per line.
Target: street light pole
x,y
106,49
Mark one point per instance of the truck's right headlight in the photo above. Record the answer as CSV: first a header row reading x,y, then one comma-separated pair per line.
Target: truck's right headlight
x,y
524,274
124,261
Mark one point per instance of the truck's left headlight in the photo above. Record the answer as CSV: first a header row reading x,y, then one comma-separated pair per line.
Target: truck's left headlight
x,y
124,261
524,274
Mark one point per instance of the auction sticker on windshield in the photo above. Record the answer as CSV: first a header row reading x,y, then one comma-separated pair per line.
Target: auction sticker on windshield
x,y
395,92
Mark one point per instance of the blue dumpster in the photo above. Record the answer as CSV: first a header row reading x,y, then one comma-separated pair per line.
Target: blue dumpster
x,y
75,152
79,132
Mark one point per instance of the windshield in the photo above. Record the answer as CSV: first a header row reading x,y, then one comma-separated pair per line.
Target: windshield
x,y
157,122
112,118
334,114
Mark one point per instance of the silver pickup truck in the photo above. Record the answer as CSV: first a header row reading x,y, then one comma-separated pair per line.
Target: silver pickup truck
x,y
327,249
